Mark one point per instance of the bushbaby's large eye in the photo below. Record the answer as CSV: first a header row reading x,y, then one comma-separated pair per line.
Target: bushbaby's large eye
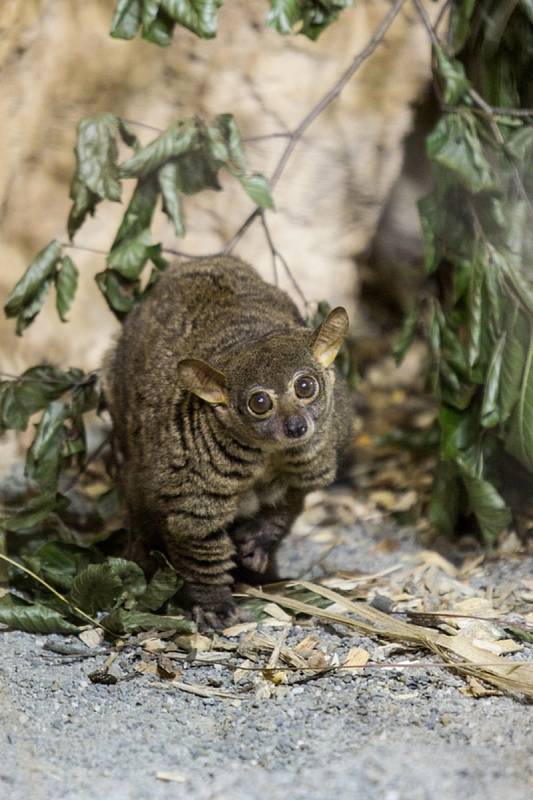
x,y
259,403
305,387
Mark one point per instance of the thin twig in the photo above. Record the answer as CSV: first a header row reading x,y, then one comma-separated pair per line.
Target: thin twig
x,y
323,103
89,460
141,124
275,255
105,253
263,137
84,248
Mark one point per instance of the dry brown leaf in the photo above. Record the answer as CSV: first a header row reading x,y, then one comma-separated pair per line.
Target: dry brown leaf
x,y
305,647
476,689
146,667
194,642
278,613
429,558
165,668
153,645
499,647
384,499
499,671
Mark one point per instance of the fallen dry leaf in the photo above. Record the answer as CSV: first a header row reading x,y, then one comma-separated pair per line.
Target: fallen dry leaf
x,y
476,689
153,645
194,642
357,657
92,637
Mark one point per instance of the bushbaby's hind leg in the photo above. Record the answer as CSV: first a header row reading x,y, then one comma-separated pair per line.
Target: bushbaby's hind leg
x,y
257,538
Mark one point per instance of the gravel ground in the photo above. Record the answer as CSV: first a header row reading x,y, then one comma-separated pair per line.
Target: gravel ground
x,y
391,735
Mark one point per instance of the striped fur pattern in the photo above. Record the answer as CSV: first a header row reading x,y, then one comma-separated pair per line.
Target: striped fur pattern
x,y
219,484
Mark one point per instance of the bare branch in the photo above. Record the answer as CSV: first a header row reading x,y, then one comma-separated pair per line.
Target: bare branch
x,y
323,103
141,124
277,255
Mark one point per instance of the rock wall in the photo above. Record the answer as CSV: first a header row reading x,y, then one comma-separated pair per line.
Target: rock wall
x,y
58,63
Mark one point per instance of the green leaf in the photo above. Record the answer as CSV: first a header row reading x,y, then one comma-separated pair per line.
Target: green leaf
x,y
96,155
308,17
513,361
35,618
84,202
458,431
28,314
198,16
257,187
131,577
445,496
490,408
460,15
474,310
130,256
96,588
455,145
225,145
122,621
488,505
164,585
519,438
36,277
456,84
283,15
31,392
196,171
160,30
150,11
126,19
66,285
58,563
405,340
119,293
430,212
520,145
172,205
35,513
43,460
175,141
140,210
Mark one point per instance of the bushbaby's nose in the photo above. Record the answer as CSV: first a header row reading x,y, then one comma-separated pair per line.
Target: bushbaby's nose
x,y
295,426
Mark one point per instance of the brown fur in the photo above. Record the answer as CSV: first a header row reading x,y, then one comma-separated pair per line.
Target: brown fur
x,y
217,483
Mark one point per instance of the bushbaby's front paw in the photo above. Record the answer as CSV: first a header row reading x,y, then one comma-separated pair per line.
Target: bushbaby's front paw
x,y
253,546
216,620
253,554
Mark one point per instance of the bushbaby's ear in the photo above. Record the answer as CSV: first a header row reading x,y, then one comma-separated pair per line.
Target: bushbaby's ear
x,y
329,336
203,380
